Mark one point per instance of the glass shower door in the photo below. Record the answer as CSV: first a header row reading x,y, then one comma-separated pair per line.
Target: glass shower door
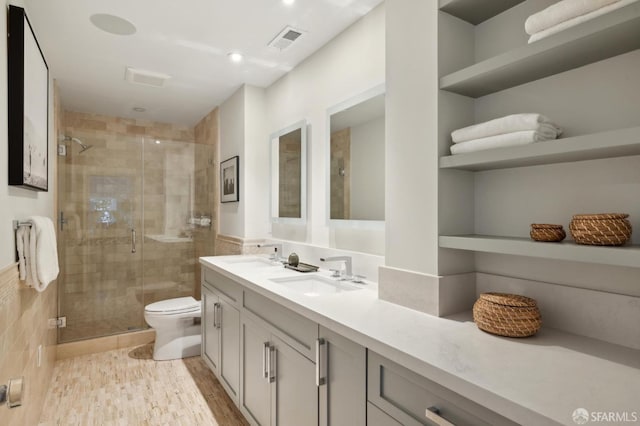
x,y
100,216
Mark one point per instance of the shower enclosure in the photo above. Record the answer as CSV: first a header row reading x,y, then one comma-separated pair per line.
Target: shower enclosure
x,y
127,239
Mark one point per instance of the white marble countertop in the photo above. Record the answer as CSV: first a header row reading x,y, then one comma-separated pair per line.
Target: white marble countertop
x,y
533,381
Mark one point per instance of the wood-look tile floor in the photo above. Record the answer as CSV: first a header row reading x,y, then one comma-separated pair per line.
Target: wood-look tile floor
x,y
127,387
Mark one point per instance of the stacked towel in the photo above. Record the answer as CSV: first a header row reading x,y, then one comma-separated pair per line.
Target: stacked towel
x,y
37,253
566,14
516,129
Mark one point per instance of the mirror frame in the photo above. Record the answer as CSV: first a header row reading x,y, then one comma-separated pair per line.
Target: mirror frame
x,y
274,173
348,103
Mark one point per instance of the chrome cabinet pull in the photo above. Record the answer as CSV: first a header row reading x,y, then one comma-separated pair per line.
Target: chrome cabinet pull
x,y
321,361
217,307
433,414
265,350
271,357
133,240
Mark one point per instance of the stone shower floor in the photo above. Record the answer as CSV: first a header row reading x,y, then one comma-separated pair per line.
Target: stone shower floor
x,y
127,387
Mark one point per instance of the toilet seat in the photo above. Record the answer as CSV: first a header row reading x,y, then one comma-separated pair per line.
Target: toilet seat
x,y
180,305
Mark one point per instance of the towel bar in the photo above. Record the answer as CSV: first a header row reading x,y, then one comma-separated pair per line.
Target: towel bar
x,y
17,224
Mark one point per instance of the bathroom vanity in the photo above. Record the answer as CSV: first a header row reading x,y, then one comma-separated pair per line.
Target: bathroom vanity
x,y
304,349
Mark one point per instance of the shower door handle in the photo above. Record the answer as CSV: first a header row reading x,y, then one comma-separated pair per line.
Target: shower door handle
x,y
133,240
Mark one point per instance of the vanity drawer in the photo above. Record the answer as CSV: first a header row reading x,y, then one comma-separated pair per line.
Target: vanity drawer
x,y
301,331
223,285
405,396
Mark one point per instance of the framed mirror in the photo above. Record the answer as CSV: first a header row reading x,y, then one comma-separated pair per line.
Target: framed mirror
x,y
356,174
289,174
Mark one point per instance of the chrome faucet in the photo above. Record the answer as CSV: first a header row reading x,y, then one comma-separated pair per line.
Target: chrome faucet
x,y
275,256
347,262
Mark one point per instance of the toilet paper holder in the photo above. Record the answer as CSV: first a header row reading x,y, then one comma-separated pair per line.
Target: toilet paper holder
x,y
11,393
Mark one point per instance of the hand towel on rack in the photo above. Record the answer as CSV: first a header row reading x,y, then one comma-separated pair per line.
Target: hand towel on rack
x,y
579,20
508,124
523,137
43,252
560,12
22,247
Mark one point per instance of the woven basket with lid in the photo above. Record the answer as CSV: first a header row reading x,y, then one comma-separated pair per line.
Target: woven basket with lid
x,y
508,315
605,229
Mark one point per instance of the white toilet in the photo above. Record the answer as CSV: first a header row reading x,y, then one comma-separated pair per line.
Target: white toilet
x,y
177,331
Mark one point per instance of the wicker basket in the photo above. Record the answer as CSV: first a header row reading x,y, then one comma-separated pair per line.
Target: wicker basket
x,y
508,315
547,232
607,229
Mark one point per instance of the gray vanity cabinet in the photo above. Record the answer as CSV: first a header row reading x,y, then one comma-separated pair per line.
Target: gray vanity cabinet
x,y
413,400
255,386
278,383
377,417
210,338
343,380
221,330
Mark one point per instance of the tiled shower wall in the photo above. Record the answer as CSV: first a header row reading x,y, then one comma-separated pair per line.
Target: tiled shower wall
x,y
124,181
206,189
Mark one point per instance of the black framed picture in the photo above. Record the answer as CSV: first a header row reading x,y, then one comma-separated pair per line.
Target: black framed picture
x,y
28,78
230,180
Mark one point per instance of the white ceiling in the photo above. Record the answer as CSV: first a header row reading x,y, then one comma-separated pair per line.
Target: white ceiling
x,y
188,40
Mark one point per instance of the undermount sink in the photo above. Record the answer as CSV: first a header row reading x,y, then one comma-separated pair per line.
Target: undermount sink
x,y
254,262
315,285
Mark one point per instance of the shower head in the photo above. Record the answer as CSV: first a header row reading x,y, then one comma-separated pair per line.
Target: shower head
x,y
79,142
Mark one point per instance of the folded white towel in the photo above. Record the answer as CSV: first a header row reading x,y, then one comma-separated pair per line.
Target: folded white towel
x,y
504,125
42,258
560,12
523,137
579,20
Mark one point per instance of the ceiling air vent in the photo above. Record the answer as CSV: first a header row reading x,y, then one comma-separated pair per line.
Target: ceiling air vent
x,y
285,38
144,77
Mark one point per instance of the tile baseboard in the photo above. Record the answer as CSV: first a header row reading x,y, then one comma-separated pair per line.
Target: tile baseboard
x,y
104,344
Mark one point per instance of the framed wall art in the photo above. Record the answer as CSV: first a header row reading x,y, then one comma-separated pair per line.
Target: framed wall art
x,y
230,180
28,92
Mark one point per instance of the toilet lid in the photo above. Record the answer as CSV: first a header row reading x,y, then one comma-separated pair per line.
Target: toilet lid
x,y
179,304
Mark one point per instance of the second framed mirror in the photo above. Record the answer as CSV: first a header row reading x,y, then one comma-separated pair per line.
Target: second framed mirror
x,y
357,161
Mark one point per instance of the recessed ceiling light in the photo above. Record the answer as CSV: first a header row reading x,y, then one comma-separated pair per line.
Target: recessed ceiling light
x,y
139,109
235,57
158,142
288,2
112,24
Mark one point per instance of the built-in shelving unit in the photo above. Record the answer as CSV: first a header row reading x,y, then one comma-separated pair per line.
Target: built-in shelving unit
x,y
604,37
476,11
628,255
614,143
609,35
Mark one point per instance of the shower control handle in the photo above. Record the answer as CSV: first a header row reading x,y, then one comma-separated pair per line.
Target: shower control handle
x,y
133,240
63,221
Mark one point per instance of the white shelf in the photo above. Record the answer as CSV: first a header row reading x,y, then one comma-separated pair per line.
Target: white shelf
x,y
609,35
614,143
476,11
628,255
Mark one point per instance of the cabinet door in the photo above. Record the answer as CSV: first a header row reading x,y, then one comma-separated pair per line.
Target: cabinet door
x,y
255,388
343,395
229,348
294,394
377,417
210,334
